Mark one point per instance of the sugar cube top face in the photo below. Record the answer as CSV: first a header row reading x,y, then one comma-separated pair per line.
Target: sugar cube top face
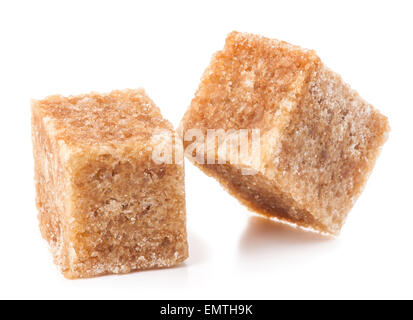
x,y
105,206
96,119
318,138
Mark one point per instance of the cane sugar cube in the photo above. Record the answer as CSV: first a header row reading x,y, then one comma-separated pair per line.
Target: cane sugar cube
x,y
319,139
105,206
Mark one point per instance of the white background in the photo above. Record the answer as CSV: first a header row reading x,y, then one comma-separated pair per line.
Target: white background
x,y
72,47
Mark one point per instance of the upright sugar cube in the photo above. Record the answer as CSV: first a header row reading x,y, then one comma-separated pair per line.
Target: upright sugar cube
x,y
105,206
319,139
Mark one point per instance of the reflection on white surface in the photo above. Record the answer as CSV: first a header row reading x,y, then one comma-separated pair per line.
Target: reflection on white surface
x,y
269,239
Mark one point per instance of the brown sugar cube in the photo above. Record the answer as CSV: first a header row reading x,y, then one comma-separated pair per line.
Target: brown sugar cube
x,y
319,139
105,206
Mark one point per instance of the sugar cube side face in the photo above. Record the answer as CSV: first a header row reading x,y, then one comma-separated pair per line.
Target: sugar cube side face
x,y
105,204
318,138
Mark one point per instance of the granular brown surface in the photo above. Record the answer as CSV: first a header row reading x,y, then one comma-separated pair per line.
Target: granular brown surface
x,y
319,138
104,205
